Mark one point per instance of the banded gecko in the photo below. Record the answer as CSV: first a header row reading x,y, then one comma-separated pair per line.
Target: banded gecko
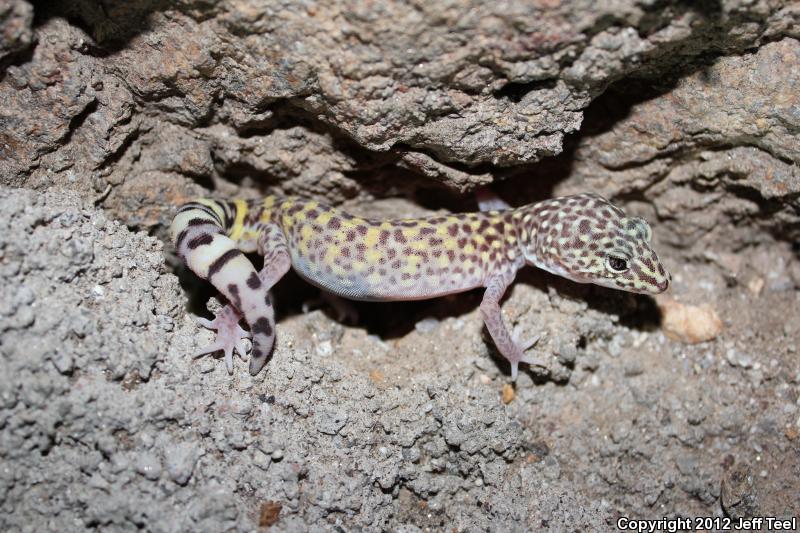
x,y
583,238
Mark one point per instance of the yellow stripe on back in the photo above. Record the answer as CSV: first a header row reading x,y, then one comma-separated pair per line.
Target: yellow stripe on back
x,y
238,222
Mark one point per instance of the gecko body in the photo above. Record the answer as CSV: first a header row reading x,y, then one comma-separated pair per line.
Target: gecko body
x,y
583,238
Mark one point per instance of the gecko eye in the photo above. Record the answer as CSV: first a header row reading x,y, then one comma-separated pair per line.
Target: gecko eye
x,y
616,264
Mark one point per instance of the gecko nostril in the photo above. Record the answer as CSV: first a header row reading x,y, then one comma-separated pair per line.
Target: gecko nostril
x,y
664,285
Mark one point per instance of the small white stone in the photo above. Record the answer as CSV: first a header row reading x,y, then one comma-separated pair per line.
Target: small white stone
x,y
324,349
426,325
149,466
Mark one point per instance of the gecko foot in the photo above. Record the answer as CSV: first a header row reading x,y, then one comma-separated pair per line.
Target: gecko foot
x,y
230,336
520,357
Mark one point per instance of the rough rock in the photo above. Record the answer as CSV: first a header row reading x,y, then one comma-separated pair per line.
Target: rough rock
x,y
689,323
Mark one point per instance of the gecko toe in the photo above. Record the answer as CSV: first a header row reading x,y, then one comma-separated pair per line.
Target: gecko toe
x,y
526,344
529,343
532,360
211,348
229,358
241,348
206,323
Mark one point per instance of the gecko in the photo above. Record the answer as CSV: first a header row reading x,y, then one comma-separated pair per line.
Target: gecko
x,y
582,237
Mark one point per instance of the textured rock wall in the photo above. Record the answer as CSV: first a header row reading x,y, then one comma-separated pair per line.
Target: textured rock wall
x,y
309,98
113,112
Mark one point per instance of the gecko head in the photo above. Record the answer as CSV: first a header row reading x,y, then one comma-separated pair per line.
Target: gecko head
x,y
587,239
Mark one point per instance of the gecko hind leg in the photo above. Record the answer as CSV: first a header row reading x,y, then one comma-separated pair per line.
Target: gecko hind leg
x,y
230,335
506,343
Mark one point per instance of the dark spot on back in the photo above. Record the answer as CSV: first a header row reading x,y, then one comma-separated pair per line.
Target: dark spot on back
x,y
262,326
236,300
254,282
199,222
200,240
220,262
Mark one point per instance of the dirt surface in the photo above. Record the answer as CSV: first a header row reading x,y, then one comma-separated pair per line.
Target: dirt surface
x,y
397,416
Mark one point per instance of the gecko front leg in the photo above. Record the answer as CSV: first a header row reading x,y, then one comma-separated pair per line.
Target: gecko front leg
x,y
229,334
277,262
513,351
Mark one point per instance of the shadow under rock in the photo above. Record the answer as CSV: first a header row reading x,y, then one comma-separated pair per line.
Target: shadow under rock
x,y
111,23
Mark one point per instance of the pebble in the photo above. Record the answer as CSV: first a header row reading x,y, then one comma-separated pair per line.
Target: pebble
x,y
737,358
426,325
181,460
690,324
324,349
508,393
63,362
149,466
330,422
242,406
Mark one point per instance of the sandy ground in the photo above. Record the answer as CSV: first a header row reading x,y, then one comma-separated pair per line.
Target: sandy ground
x,y
401,419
